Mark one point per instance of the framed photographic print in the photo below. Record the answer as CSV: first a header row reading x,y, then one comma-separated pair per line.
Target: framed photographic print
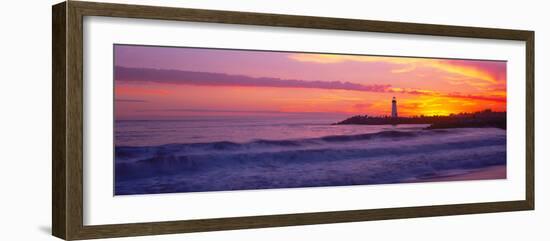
x,y
171,120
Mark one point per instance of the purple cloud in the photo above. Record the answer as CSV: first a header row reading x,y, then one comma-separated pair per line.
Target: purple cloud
x,y
128,75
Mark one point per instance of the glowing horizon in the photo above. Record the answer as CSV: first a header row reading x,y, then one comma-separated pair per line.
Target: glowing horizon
x,y
169,82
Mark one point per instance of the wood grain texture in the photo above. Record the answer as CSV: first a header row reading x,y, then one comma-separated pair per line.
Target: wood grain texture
x,y
74,121
59,127
530,120
67,78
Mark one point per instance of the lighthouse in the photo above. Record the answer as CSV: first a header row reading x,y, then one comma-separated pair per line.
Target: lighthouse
x,y
393,108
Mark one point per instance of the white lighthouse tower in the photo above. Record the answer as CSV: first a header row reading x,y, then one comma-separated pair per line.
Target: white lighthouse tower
x,y
394,108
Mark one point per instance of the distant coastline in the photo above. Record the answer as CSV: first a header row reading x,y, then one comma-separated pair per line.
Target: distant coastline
x,y
480,119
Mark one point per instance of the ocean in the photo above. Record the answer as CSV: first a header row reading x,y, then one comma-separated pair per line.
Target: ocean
x,y
241,153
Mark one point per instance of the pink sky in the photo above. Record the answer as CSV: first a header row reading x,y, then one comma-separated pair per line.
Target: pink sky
x,y
167,82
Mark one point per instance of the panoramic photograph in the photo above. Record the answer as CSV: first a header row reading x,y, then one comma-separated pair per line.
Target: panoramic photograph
x,y
192,119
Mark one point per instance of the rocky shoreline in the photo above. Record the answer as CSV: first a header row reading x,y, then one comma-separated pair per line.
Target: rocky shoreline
x,y
481,119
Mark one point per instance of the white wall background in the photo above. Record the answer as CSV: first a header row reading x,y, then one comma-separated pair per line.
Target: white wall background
x,y
25,119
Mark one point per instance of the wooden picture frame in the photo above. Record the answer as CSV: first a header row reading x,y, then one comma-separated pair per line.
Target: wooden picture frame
x,y
67,150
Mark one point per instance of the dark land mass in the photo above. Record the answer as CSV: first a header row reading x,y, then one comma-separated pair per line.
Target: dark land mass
x,y
486,118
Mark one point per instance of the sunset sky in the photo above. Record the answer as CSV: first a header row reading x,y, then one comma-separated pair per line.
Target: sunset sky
x,y
166,82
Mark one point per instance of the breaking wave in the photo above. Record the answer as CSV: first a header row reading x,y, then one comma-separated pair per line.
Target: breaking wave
x,y
374,158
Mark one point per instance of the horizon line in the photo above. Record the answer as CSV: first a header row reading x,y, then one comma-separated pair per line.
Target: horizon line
x,y
176,118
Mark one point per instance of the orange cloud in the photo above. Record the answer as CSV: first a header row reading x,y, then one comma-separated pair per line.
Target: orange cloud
x,y
464,70
407,64
495,96
412,91
335,58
